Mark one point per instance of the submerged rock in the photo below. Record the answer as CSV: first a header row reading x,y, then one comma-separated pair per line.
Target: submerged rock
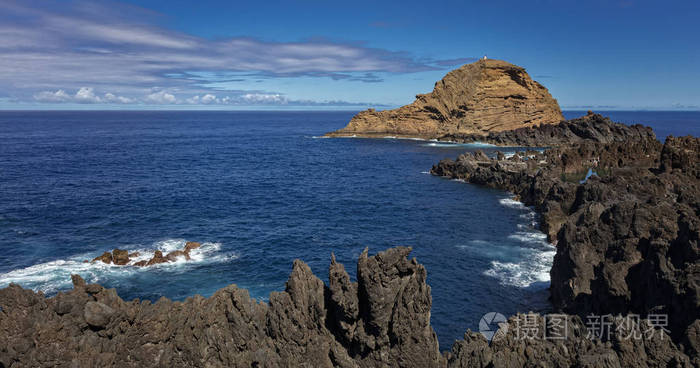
x,y
478,98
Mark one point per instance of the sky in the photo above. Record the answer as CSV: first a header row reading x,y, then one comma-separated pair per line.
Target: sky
x,y
350,55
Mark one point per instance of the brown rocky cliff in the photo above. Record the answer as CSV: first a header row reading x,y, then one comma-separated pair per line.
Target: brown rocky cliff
x,y
478,98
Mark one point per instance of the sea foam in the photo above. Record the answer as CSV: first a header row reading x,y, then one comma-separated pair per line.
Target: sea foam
x,y
536,254
51,277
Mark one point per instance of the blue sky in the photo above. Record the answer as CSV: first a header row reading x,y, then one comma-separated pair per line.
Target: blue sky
x,y
313,54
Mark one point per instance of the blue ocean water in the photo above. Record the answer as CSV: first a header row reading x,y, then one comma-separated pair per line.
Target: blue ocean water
x,y
259,189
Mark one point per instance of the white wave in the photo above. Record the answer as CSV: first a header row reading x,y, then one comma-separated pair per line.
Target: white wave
x,y
533,268
479,242
512,203
529,237
51,277
425,172
481,144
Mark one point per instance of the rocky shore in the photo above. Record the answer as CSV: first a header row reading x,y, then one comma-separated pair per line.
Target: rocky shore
x,y
622,208
589,128
626,236
382,320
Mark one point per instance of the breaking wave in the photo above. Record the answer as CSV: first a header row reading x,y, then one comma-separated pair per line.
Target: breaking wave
x,y
51,277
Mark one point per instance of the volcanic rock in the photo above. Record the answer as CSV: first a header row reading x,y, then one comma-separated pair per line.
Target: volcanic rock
x,y
382,320
172,256
478,98
97,314
627,238
589,128
191,245
106,257
120,257
157,258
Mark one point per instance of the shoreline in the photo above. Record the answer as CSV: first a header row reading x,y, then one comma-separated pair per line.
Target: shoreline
x,y
602,252
383,319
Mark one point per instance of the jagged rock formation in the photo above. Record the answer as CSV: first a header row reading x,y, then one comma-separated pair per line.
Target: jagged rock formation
x,y
589,128
478,98
382,320
122,257
627,238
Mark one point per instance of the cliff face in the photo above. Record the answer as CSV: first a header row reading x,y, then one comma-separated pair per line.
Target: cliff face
x,y
627,238
478,98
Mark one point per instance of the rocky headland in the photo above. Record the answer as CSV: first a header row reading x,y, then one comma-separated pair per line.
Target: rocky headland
x,y
624,218
476,99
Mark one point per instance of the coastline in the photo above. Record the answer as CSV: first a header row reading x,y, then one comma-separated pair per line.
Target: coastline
x,y
383,319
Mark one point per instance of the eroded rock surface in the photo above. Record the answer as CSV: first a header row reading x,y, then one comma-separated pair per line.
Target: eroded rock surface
x,y
627,238
589,128
382,320
478,98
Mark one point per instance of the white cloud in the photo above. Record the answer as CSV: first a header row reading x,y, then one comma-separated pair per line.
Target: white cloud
x,y
41,49
86,95
264,98
117,99
47,96
208,99
161,97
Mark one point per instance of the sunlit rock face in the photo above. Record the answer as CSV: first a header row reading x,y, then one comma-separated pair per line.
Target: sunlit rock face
x,y
478,98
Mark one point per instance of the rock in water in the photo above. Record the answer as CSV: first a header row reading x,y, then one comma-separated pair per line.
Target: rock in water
x,y
478,98
106,257
191,245
157,258
120,257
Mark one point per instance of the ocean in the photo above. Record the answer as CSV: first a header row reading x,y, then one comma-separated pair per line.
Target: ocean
x,y
260,189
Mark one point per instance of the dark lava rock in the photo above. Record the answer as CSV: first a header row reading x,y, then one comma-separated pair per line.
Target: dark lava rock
x,y
627,239
191,245
157,258
106,257
97,314
382,320
589,128
172,256
120,257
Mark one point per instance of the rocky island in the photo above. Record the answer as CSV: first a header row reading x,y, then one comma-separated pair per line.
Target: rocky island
x,y
476,99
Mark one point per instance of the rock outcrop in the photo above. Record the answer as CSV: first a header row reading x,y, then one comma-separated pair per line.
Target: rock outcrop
x,y
478,98
382,320
627,237
122,257
589,128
